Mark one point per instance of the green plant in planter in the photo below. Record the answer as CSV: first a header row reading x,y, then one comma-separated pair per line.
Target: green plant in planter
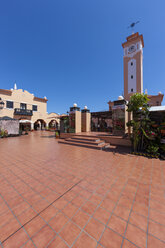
x,y
138,105
2,133
153,149
5,133
57,134
26,130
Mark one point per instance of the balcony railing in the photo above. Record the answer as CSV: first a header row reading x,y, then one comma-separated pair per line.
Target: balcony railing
x,y
19,111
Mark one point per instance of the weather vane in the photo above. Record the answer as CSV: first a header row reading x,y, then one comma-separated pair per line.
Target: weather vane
x,y
133,25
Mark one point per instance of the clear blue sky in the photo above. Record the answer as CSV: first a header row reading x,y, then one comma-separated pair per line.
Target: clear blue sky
x,y
70,50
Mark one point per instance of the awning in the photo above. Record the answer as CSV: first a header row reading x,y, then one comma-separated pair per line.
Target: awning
x,y
25,121
157,108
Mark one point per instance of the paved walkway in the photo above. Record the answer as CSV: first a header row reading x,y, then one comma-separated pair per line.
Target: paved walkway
x,y
54,195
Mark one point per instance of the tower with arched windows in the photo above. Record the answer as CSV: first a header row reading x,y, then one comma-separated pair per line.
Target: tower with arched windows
x,y
133,65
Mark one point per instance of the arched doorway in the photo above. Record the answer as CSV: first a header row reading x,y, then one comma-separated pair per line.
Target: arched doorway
x,y
53,124
24,125
39,124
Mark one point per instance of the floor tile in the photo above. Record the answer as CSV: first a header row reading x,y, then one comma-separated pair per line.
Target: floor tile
x,y
95,199
154,242
78,201
157,216
9,228
157,230
117,224
102,215
85,241
49,213
27,215
108,205
138,220
110,239
94,228
43,237
122,212
127,244
69,233
58,221
60,203
136,236
34,226
16,240
70,210
57,243
80,218
89,207
28,244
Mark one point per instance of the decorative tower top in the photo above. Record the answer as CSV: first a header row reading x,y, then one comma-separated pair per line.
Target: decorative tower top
x,y
133,38
15,86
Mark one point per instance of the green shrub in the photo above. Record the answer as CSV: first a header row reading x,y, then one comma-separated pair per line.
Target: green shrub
x,y
2,132
153,149
5,133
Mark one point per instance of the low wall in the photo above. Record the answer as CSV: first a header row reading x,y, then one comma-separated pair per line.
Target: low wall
x,y
66,135
12,126
115,140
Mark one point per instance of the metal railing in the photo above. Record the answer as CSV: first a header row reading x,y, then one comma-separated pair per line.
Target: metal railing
x,y
19,111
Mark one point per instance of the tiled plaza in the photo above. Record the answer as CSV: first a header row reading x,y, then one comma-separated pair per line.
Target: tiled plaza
x,y
56,195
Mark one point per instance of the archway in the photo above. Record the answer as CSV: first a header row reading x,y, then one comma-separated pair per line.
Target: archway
x,y
39,124
53,124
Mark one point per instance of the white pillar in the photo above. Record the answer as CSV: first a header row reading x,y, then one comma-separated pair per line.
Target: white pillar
x,y
32,126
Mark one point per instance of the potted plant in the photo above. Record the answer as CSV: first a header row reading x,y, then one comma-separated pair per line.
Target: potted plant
x,y
5,133
2,133
57,134
26,131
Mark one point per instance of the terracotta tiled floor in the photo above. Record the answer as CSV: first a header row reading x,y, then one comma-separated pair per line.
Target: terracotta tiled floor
x,y
54,195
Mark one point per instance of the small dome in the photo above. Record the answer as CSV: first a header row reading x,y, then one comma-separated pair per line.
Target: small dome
x,y
159,93
146,92
85,107
120,98
75,105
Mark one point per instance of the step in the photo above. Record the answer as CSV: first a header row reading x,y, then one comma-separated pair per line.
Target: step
x,y
96,143
85,138
103,146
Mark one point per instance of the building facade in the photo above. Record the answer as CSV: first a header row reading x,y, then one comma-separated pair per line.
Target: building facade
x,y
30,110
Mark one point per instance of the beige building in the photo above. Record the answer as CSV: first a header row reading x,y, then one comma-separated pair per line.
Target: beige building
x,y
30,110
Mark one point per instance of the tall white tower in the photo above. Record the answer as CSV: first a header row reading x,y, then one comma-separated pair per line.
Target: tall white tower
x,y
133,65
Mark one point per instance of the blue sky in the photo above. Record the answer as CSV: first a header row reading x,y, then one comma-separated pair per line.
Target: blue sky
x,y
70,50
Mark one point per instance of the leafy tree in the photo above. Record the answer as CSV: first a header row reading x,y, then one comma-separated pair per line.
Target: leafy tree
x,y
142,134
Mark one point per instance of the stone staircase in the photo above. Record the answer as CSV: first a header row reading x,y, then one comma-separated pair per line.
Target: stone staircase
x,y
85,141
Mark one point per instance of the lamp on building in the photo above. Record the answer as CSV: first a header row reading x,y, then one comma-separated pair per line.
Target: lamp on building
x,y
120,98
74,108
85,110
1,104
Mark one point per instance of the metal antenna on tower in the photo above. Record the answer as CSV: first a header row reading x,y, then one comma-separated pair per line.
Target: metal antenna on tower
x,y
132,25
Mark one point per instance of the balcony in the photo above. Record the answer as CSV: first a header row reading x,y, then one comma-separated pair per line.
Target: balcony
x,y
19,111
